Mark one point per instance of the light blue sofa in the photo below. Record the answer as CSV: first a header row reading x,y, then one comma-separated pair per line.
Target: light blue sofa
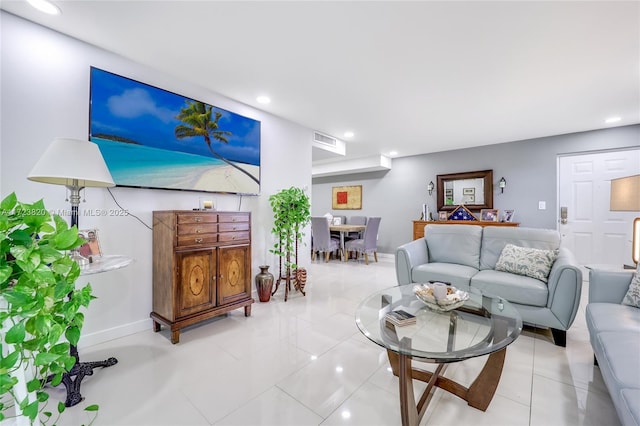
x,y
614,331
466,255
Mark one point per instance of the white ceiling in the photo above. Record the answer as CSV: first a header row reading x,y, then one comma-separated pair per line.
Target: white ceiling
x,y
412,77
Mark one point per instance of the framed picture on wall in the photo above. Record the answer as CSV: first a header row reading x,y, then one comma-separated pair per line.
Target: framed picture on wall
x,y
468,191
346,197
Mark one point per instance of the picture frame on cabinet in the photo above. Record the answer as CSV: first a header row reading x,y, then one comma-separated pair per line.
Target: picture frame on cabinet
x,y
489,215
443,216
508,215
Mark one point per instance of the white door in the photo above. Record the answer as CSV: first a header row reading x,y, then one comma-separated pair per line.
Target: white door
x,y
593,232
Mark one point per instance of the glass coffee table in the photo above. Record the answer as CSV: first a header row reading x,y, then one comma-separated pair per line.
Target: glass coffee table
x,y
484,325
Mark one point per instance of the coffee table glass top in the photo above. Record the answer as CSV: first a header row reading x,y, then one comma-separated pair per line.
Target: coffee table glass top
x,y
483,325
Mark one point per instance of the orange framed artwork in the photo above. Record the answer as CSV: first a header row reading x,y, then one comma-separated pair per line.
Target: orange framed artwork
x,y
347,197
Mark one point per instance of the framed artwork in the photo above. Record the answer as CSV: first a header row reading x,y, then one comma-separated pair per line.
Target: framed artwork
x,y
92,245
346,197
489,215
337,221
152,138
443,215
508,215
468,191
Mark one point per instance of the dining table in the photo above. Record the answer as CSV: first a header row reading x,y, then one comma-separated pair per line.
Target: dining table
x,y
344,229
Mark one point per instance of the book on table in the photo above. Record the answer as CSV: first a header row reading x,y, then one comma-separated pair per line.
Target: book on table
x,y
400,317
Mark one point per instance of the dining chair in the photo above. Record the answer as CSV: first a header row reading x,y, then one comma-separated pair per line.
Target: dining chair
x,y
355,220
368,243
321,240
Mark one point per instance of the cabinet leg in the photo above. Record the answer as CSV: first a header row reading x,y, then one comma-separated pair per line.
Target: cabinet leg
x,y
247,311
156,326
175,336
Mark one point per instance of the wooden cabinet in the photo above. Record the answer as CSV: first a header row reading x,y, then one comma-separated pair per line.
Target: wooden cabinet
x,y
418,225
201,266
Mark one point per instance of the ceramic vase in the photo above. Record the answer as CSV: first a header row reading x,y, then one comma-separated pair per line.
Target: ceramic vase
x,y
264,283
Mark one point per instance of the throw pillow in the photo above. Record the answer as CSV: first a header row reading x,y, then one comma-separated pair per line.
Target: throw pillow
x,y
632,298
530,262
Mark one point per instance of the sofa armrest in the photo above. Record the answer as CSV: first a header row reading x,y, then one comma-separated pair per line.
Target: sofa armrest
x,y
565,288
608,286
409,256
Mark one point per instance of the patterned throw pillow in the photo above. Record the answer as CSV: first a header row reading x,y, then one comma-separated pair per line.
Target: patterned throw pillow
x,y
531,262
632,298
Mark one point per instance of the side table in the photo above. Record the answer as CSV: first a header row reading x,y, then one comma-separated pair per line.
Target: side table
x,y
73,378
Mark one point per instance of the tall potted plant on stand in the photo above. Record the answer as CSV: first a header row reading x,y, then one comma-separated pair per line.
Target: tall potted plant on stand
x,y
39,307
292,212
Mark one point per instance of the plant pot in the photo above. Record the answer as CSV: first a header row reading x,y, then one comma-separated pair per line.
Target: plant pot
x,y
264,283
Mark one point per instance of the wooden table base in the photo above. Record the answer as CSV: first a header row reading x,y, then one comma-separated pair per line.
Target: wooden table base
x,y
478,395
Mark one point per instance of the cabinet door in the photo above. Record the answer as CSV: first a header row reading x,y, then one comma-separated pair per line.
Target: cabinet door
x,y
196,282
233,278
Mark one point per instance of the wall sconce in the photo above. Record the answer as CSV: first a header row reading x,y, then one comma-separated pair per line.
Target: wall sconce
x,y
502,184
430,187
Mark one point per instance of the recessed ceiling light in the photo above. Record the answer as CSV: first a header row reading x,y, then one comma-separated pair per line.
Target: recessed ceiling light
x,y
45,6
392,153
263,100
612,120
349,134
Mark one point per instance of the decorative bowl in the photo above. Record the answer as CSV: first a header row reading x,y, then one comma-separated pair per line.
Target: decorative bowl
x,y
455,298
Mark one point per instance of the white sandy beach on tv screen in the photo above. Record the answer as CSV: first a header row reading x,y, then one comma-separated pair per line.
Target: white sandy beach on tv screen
x,y
229,179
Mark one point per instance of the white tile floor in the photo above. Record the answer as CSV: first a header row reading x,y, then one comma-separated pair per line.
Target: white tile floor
x,y
304,362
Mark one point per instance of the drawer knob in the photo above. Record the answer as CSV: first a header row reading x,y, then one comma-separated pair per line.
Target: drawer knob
x,y
198,230
199,240
198,219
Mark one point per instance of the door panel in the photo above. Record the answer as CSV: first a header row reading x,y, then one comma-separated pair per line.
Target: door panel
x,y
233,282
195,280
593,232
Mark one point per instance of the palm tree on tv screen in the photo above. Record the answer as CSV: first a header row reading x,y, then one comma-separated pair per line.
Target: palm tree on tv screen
x,y
197,119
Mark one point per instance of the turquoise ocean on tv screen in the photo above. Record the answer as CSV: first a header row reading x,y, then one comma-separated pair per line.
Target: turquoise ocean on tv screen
x,y
138,165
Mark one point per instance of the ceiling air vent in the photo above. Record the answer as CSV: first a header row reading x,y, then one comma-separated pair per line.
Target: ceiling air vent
x,y
328,144
324,139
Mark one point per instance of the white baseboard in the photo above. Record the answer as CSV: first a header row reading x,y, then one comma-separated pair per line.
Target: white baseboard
x,y
114,333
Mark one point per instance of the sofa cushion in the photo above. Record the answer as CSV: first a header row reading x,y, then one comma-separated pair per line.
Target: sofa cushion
x,y
620,350
459,244
629,400
514,288
530,262
494,238
457,275
632,298
611,317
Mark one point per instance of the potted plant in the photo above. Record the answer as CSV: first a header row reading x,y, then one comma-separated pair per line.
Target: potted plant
x,y
39,307
292,212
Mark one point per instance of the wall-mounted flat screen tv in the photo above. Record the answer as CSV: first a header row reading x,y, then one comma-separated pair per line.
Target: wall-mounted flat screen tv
x,y
152,138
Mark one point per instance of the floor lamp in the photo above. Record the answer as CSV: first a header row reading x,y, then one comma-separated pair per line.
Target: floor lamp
x,y
625,197
76,164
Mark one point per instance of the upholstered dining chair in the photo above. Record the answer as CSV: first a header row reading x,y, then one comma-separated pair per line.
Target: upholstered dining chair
x,y
368,243
321,240
355,220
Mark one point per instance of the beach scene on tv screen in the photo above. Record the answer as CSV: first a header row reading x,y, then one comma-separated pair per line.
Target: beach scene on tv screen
x,y
153,138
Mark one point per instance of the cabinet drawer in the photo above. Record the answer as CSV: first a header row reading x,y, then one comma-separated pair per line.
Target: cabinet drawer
x,y
225,237
233,217
236,226
197,228
196,218
197,240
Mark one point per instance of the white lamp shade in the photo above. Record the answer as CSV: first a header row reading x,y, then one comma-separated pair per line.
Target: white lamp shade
x,y
72,162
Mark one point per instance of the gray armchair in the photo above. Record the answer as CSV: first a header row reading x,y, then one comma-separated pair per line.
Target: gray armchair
x,y
368,243
321,240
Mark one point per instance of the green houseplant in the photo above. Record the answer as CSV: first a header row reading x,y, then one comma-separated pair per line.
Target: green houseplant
x,y
39,306
291,213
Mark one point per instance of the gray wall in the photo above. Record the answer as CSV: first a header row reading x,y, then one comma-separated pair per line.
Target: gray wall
x,y
529,167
